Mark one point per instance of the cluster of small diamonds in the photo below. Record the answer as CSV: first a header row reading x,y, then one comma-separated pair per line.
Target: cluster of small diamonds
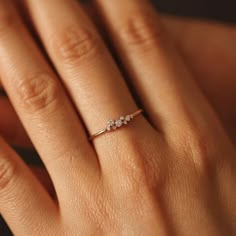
x,y
115,124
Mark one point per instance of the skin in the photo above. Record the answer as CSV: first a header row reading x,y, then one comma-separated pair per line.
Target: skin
x,y
209,50
170,177
206,66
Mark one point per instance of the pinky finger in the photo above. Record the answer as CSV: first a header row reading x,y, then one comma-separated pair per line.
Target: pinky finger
x,y
24,203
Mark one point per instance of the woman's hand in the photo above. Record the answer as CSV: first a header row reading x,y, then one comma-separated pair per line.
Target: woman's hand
x,y
204,46
168,172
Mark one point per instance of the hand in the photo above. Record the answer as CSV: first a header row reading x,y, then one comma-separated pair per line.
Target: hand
x,y
204,47
206,66
170,172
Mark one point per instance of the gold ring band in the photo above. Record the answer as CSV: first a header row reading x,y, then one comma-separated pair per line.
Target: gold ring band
x,y
113,125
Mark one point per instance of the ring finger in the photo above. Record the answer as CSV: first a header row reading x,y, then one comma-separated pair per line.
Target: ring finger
x,y
88,71
169,93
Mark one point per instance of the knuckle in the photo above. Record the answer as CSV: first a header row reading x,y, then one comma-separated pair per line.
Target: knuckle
x,y
36,92
200,148
200,144
141,32
7,172
137,173
76,45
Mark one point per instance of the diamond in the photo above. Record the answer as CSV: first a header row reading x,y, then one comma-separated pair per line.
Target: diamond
x,y
118,123
111,122
128,118
110,125
114,124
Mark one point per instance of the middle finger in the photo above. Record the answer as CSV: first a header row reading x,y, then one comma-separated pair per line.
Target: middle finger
x,y
40,101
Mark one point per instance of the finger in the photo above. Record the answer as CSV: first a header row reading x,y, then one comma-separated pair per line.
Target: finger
x,y
10,126
166,88
41,103
87,70
24,203
214,77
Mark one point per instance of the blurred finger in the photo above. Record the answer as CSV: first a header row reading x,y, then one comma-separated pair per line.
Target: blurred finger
x,y
21,192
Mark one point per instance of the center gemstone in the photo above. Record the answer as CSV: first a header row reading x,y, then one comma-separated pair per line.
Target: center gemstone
x,y
119,123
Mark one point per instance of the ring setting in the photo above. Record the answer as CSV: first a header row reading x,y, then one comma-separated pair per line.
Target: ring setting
x,y
113,125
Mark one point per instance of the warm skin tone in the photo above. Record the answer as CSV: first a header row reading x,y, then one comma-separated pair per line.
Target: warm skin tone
x,y
174,176
210,52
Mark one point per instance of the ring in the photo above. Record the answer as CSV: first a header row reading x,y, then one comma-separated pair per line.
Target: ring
x,y
113,125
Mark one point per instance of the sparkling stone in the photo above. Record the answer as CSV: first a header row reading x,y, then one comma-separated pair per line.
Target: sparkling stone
x,y
111,122
125,122
122,118
110,125
118,123
128,118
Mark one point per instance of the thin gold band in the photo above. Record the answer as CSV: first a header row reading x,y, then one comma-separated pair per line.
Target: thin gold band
x,y
113,125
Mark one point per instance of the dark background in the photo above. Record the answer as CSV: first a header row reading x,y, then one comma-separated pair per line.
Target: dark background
x,y
210,9
224,10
